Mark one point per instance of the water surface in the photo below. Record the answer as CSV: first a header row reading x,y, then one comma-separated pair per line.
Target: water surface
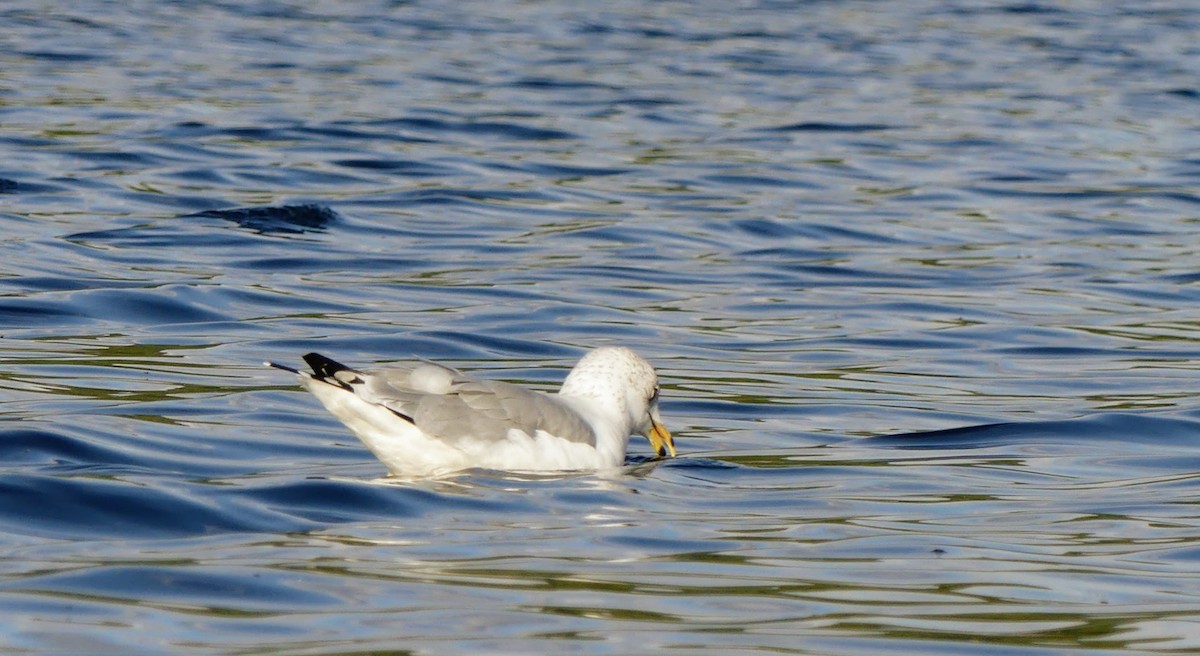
x,y
920,281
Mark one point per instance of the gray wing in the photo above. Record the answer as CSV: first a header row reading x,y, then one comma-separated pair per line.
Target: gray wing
x,y
452,406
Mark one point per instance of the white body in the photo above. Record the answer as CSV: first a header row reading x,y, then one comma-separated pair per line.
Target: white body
x,y
427,420
405,449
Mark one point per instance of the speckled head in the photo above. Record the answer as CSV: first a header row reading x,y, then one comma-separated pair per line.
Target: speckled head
x,y
623,384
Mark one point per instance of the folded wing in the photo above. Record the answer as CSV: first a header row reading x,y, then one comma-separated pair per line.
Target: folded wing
x,y
451,406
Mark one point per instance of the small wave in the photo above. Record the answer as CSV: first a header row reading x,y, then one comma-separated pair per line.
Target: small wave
x,y
821,126
287,219
73,507
1111,427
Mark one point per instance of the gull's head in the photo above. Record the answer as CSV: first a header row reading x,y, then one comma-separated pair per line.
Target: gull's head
x,y
623,385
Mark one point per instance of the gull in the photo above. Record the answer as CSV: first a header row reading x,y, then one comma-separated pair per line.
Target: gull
x,y
426,419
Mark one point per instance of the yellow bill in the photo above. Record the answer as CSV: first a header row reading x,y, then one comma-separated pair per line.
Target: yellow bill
x,y
660,439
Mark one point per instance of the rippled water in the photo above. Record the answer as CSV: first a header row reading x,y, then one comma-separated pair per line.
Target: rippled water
x,y
920,280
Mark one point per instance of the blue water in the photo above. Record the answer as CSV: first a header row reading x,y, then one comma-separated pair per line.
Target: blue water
x,y
920,280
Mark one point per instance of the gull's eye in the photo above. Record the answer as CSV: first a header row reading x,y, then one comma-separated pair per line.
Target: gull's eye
x,y
654,396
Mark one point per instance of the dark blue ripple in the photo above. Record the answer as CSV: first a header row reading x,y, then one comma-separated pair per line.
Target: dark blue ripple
x,y
74,57
546,82
404,167
1111,427
72,507
746,180
9,186
822,126
449,196
323,501
560,170
34,312
1188,93
165,305
1183,278
119,160
328,501
1029,8
482,128
32,446
779,228
215,587
287,219
490,343
156,242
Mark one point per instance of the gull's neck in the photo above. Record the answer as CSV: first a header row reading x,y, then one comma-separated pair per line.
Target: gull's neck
x,y
608,423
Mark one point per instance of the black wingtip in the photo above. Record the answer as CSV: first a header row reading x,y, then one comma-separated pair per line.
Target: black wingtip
x,y
322,366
